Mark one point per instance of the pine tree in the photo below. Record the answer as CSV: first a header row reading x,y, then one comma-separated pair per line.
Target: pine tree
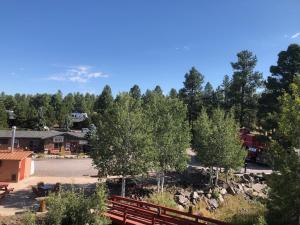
x,y
282,75
244,84
135,92
284,197
191,93
3,115
104,100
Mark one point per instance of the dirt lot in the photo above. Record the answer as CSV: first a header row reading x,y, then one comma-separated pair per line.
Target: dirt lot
x,y
64,167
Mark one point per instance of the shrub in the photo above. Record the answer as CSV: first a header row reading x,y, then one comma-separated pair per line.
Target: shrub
x,y
69,207
29,218
164,199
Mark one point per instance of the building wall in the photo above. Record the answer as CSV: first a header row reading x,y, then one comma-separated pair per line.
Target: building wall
x,y
27,167
7,169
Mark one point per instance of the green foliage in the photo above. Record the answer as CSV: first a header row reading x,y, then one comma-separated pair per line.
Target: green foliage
x,y
170,132
284,197
135,92
243,87
104,100
191,92
3,115
29,218
69,207
165,199
123,141
217,141
282,75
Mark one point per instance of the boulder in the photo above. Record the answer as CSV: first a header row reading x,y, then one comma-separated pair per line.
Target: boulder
x,y
220,199
182,200
213,203
258,187
208,196
231,190
223,191
195,195
180,208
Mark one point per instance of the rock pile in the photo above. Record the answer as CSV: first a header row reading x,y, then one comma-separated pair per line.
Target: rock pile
x,y
249,185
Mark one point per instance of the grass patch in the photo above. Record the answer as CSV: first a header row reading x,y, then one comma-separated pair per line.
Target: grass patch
x,y
164,199
236,210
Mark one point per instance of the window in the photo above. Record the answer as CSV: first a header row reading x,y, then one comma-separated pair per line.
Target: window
x,y
3,141
57,145
1,163
14,177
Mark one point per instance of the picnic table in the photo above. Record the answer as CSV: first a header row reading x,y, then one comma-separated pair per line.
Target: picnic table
x,y
4,189
46,188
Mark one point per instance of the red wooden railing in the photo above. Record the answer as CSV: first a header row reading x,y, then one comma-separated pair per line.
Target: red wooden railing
x,y
129,211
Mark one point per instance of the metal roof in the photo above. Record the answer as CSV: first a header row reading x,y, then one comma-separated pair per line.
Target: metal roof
x,y
15,155
38,134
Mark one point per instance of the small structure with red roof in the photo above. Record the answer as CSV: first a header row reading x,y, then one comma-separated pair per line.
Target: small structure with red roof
x,y
15,165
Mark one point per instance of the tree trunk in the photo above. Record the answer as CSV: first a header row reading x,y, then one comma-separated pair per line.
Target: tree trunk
x,y
226,176
242,107
123,186
162,181
210,175
217,176
158,182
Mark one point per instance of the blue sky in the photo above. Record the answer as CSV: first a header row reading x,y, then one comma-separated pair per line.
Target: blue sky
x,y
75,45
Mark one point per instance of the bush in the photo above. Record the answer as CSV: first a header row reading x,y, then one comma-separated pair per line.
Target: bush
x,y
29,218
69,207
164,199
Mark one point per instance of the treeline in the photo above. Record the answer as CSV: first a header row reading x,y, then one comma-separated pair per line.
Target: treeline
x,y
253,100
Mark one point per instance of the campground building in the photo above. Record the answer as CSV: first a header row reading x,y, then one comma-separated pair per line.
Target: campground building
x,y
52,142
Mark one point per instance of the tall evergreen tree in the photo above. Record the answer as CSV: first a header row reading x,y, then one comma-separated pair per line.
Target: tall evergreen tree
x,y
135,92
284,197
191,93
208,97
244,84
282,75
173,93
3,115
104,100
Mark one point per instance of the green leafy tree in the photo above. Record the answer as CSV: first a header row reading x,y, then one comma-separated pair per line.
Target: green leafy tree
x,y
191,93
282,75
284,197
170,135
122,144
217,142
244,84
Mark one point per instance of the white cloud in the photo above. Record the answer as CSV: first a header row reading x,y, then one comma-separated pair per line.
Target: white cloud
x,y
80,74
295,35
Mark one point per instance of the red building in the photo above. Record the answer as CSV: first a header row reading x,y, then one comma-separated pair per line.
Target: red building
x,y
15,165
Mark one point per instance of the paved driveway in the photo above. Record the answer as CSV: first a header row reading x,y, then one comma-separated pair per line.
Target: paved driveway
x,y
64,167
